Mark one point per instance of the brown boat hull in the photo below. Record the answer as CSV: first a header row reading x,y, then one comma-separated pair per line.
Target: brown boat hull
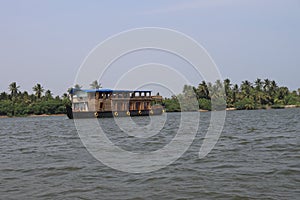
x,y
107,114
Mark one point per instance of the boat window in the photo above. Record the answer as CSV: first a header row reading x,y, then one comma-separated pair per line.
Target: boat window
x,y
137,105
81,106
147,105
80,94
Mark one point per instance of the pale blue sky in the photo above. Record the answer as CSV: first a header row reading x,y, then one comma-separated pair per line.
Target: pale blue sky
x,y
46,41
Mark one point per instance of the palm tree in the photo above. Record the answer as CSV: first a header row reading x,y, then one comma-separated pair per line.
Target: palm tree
x,y
216,90
219,85
77,86
48,95
258,84
95,85
246,88
64,96
202,90
258,93
188,91
13,88
266,98
217,94
187,88
266,85
38,89
273,88
26,97
3,96
228,92
235,92
227,86
281,94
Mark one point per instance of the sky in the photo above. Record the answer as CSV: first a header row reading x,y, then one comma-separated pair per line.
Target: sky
x,y
46,41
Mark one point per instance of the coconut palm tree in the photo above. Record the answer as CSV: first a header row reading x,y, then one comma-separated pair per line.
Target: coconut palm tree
x,y
202,90
216,90
77,86
64,96
48,95
219,85
227,86
235,92
38,89
258,92
26,98
273,87
271,92
3,96
246,88
258,84
14,89
95,85
281,94
228,92
187,88
267,84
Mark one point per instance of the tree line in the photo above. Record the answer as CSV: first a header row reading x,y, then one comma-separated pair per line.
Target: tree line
x,y
261,94
41,101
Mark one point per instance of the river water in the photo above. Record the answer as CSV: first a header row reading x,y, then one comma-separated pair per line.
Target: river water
x,y
257,157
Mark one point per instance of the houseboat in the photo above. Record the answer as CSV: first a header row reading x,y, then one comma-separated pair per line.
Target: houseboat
x,y
100,103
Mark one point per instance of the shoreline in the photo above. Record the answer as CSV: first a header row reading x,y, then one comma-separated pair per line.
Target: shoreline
x,y
42,115
200,110
266,108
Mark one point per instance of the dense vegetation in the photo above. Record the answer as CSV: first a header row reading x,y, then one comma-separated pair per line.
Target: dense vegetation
x,y
41,101
17,103
262,94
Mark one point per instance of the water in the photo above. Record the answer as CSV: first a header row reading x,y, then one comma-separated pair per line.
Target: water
x,y
256,157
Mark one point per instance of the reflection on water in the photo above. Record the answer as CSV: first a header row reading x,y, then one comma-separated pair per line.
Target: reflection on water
x,y
257,156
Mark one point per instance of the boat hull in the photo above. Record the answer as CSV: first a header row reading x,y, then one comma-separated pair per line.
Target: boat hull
x,y
108,114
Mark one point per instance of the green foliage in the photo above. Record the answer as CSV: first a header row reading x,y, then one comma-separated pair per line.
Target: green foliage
x,y
261,94
188,100
6,108
38,89
245,104
291,99
21,103
204,104
218,103
13,88
172,104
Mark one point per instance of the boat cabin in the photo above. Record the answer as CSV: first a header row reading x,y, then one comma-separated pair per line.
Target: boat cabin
x,y
113,101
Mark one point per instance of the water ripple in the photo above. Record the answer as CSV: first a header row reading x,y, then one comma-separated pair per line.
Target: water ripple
x,y
257,156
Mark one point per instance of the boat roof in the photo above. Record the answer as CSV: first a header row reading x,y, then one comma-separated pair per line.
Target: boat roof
x,y
104,90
